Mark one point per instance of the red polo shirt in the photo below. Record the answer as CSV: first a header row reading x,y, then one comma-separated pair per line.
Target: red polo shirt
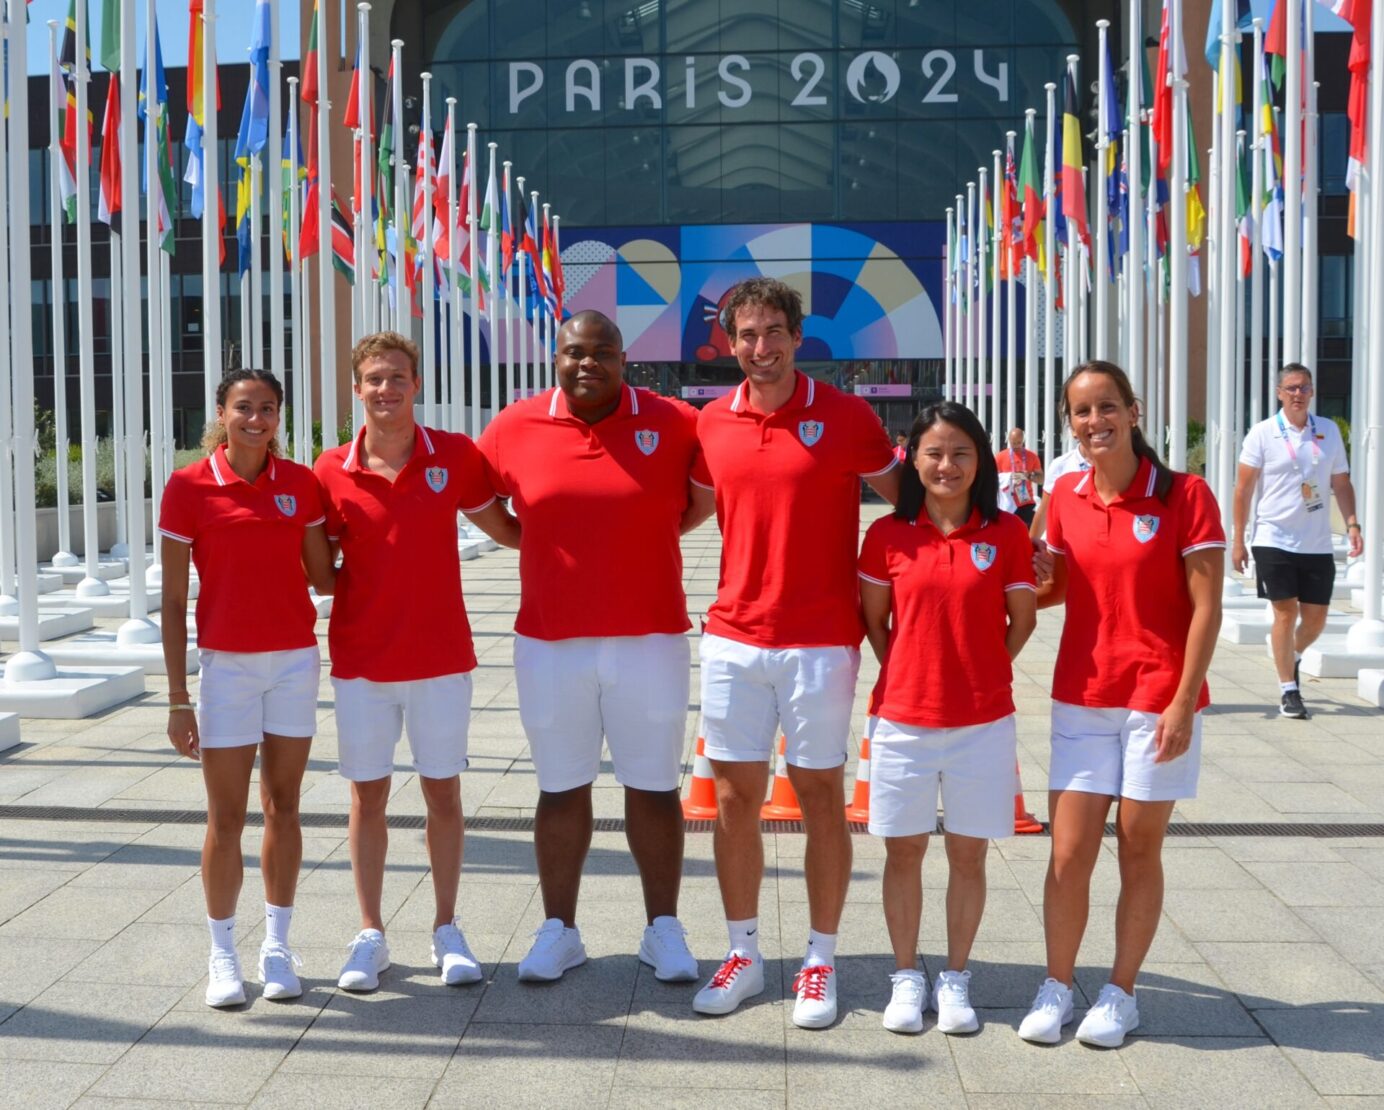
x,y
788,502
398,613
247,546
946,665
1008,460
1128,609
600,506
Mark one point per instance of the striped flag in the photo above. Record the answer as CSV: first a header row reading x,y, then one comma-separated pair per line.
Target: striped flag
x,y
1073,183
343,240
1031,194
108,205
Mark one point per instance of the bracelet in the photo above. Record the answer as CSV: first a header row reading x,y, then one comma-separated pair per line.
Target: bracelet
x,y
182,707
1354,524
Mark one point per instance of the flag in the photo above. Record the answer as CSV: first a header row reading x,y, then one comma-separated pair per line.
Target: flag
x,y
1112,165
108,206
385,156
1162,122
507,242
558,281
294,176
442,217
1196,213
254,119
1008,201
65,97
194,174
1073,183
1276,41
243,204
1244,21
167,192
1031,194
1272,216
110,35
422,181
1244,217
309,67
343,240
1358,14
529,245
309,235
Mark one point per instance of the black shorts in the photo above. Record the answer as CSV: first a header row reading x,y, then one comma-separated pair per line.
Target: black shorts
x,y
1290,574
1025,513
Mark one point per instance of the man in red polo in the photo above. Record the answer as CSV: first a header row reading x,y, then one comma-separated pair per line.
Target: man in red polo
x,y
784,454
599,476
400,643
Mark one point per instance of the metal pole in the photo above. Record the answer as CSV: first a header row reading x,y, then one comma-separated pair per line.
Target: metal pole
x,y
1292,188
1256,275
326,279
473,248
425,258
1177,252
211,218
1134,266
1047,431
57,101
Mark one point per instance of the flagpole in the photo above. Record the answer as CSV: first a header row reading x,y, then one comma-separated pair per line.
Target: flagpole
x,y
963,337
1011,302
972,309
540,356
1256,276
119,549
1134,170
402,318
325,277
139,629
526,370
425,258
495,400
997,433
365,203
1071,304
1229,360
515,385
57,96
1361,387
473,249
1309,194
455,362
156,291
1292,186
302,386
1274,362
549,303
1177,251
254,354
982,298
273,146
1100,345
211,218
947,330
1048,432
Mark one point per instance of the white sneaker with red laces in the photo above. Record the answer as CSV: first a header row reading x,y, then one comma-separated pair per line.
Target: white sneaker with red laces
x,y
816,989
738,978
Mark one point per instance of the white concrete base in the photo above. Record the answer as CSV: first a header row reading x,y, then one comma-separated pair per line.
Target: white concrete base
x,y
75,693
1243,603
469,549
66,559
9,730
1329,657
53,621
102,649
114,604
106,569
1357,599
1369,686
48,582
323,605
1251,626
469,532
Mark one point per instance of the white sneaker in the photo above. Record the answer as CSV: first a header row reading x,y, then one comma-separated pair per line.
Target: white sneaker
x,y
1051,1010
816,989
1106,1023
904,1014
664,948
276,972
739,977
369,956
952,998
453,955
556,949
225,984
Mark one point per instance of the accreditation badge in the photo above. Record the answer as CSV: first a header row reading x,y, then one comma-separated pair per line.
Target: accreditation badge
x,y
1312,496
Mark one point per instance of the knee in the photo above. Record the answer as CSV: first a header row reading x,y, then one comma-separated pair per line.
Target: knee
x,y
1072,863
1285,616
820,793
369,800
968,866
736,802
280,806
225,824
443,798
906,854
1140,855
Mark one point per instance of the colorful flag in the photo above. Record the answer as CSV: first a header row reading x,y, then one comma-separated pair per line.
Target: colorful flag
x,y
343,240
507,242
1272,216
163,157
65,94
108,206
1031,194
1244,217
1162,121
1114,181
442,218
1073,182
1244,21
310,236
110,35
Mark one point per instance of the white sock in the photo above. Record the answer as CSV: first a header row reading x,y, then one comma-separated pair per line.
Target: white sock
x,y
276,922
1284,687
222,934
821,948
744,936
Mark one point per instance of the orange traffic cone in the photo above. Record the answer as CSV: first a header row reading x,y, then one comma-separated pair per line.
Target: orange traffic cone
x,y
1024,822
783,802
700,803
858,809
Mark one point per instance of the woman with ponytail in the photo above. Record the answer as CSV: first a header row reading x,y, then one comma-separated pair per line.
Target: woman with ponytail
x,y
1139,556
252,523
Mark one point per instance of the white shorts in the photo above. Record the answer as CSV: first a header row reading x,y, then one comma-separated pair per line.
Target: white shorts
x,y
749,692
631,690
972,766
1110,751
371,716
245,694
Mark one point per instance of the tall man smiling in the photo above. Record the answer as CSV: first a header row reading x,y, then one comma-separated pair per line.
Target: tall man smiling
x,y
784,455
392,496
599,476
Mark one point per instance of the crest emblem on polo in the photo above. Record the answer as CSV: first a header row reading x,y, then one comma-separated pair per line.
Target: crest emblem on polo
x,y
983,555
646,441
436,477
1145,527
287,503
810,431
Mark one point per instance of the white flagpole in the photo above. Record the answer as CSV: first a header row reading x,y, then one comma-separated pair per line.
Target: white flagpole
x,y
1071,307
1256,276
515,385
1230,369
1211,289
997,433
119,549
91,585
962,343
982,299
365,95
526,371
402,312
1275,356
425,258
302,377
1134,169
549,324
155,287
1100,341
211,218
57,104
496,401
948,330
1011,308
1155,424
1177,250
540,357
9,424
473,248
1292,187
273,168
254,354
139,629
456,363
325,276
1361,387
1049,432
968,397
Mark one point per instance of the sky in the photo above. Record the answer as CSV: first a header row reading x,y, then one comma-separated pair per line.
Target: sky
x,y
232,30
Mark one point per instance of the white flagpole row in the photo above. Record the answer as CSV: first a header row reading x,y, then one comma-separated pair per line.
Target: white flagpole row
x,y
57,105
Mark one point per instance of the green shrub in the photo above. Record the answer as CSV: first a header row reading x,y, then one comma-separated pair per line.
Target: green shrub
x,y
46,473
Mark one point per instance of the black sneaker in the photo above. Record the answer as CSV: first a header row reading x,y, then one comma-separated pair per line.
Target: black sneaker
x,y
1291,705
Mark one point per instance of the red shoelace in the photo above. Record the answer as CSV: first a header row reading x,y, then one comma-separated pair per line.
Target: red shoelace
x,y
811,982
729,970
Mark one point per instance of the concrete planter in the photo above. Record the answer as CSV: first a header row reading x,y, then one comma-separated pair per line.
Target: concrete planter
x,y
46,522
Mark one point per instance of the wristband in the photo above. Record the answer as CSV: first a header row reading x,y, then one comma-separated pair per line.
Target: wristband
x,y
1354,524
187,707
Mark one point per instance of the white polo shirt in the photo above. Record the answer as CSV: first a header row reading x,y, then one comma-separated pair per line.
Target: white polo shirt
x,y
1314,454
1067,463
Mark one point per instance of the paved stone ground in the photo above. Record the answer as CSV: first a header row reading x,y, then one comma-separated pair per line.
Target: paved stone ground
x,y
1264,988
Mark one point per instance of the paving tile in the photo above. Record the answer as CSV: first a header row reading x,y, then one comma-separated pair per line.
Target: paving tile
x,y
407,1036
1268,975
40,1084
70,913
83,1023
1340,1049
345,1092
995,1060
598,991
1319,883
1180,1000
1356,932
670,1046
533,1065
1215,1072
640,1098
1055,1102
850,1066
1240,915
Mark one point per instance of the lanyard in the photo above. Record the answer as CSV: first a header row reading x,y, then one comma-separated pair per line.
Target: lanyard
x,y
1312,439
